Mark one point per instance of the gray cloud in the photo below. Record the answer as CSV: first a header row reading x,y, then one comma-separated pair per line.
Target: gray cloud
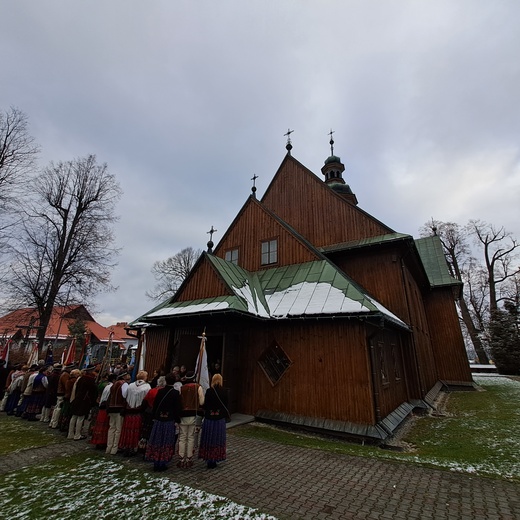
x,y
186,101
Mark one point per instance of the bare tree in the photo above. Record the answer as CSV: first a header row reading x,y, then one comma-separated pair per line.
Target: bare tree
x,y
490,280
18,153
65,247
500,255
170,273
454,240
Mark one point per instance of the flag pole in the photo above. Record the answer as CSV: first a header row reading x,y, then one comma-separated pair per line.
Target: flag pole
x,y
104,364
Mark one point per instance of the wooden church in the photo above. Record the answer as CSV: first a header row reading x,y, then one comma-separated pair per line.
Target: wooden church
x,y
319,315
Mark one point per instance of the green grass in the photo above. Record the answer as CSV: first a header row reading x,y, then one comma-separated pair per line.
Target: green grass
x,y
479,434
18,434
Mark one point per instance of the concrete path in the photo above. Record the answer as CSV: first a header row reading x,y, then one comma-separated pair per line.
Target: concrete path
x,y
299,483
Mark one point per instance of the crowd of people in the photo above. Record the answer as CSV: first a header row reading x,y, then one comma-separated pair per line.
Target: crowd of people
x,y
160,419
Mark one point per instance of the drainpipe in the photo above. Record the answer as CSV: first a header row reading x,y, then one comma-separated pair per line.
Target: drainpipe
x,y
375,387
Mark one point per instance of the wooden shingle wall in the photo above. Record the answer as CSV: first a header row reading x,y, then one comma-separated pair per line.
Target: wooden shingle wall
x,y
203,283
310,206
256,225
448,344
330,375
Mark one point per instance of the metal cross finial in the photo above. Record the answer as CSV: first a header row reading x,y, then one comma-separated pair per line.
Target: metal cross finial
x,y
253,189
210,233
288,146
210,242
331,142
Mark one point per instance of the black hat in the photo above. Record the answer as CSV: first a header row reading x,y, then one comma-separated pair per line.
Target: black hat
x,y
188,378
57,366
70,365
122,375
89,368
34,367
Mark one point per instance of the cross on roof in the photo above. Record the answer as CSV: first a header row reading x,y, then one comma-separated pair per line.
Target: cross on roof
x,y
210,232
331,142
288,146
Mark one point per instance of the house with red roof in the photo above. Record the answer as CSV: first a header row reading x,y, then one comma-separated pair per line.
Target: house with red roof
x,y
20,329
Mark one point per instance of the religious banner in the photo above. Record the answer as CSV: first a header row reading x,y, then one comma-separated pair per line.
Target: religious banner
x,y
201,368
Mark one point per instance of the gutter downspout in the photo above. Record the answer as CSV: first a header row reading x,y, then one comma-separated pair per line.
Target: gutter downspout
x,y
375,388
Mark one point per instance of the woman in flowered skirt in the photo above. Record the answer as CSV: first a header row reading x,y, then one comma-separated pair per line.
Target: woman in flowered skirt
x,y
131,432
166,412
100,429
101,424
161,444
212,447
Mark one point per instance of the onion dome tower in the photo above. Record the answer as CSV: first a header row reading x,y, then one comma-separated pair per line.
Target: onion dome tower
x,y
333,171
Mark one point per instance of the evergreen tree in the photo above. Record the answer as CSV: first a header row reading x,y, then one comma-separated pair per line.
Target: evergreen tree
x,y
504,336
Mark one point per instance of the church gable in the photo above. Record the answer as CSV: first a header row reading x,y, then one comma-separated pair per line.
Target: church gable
x,y
258,240
314,210
203,282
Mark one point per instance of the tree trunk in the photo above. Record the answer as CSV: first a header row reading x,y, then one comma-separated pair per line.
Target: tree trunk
x,y
473,333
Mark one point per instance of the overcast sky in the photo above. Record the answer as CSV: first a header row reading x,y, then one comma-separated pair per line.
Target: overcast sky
x,y
187,100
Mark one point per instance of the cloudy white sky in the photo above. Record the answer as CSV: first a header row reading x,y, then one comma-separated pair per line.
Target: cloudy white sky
x,y
186,101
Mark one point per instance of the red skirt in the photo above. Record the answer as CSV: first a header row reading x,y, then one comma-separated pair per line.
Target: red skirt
x,y
100,429
131,431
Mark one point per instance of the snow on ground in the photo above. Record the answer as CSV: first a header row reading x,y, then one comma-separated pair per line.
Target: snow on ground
x,y
102,488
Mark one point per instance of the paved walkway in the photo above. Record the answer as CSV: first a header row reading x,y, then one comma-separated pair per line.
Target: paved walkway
x,y
299,483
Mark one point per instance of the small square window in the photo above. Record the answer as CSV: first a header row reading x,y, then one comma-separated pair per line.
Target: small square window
x,y
270,252
232,256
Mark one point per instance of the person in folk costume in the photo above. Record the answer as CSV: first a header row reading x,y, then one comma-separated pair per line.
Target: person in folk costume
x,y
83,398
60,395
116,404
22,403
37,396
27,390
166,412
148,403
100,385
212,447
192,398
6,383
53,376
133,414
4,373
102,423
15,389
66,412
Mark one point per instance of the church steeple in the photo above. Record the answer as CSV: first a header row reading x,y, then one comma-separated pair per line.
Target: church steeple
x,y
333,171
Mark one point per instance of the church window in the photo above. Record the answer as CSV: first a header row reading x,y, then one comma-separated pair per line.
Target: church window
x,y
232,256
269,252
274,362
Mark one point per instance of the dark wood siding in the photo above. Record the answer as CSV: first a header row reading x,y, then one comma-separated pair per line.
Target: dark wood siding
x,y
330,375
255,225
310,206
158,353
389,372
448,344
204,283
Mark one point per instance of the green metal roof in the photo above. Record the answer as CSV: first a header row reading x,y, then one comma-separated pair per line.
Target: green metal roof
x,y
434,261
364,242
315,288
